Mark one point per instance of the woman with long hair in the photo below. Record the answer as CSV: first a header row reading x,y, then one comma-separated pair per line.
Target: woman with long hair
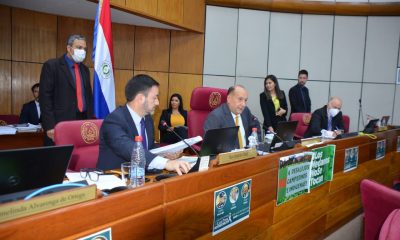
x,y
176,119
273,103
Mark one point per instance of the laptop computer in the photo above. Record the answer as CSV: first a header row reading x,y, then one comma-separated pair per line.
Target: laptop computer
x,y
284,132
370,127
30,168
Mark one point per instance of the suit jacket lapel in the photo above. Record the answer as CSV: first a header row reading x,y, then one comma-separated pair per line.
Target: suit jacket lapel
x,y
64,66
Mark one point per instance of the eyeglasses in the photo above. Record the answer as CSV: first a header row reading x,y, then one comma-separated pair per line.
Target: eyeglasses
x,y
92,173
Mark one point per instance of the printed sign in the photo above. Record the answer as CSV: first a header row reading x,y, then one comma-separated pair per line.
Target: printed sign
x,y
350,159
322,165
231,206
293,176
380,149
101,235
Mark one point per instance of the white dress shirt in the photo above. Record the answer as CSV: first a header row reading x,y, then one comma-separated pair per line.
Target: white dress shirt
x,y
158,162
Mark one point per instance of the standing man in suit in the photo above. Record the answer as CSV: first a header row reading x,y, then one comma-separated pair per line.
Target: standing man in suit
x,y
65,91
30,112
329,117
299,96
234,113
118,131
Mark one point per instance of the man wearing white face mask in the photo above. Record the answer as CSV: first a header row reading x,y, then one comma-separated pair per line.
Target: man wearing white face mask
x,y
329,117
65,91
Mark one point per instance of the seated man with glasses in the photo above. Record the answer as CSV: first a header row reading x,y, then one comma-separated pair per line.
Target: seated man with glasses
x,y
329,117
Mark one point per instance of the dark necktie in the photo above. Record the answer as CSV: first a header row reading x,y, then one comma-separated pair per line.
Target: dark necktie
x,y
78,87
143,133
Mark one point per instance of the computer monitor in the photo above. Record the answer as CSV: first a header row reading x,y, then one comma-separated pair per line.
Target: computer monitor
x,y
285,131
219,140
30,168
370,127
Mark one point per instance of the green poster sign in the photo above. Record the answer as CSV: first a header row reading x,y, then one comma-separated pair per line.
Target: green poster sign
x,y
322,165
293,176
231,206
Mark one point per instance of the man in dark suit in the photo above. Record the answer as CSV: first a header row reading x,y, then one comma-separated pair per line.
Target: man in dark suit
x,y
30,112
299,96
329,117
65,91
119,128
234,113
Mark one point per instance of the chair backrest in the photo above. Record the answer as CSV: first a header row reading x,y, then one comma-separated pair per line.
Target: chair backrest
x,y
84,135
202,102
303,122
378,202
8,119
346,123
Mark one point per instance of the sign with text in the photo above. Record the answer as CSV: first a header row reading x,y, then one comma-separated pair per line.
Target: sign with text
x,y
293,176
322,165
380,149
350,159
231,206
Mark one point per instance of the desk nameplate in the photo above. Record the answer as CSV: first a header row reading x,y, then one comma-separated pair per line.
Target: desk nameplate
x,y
230,157
22,208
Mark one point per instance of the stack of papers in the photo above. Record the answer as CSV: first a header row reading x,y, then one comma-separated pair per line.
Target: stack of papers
x,y
176,147
27,127
7,130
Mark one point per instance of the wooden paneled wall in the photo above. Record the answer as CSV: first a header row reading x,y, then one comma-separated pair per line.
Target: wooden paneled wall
x,y
315,7
28,39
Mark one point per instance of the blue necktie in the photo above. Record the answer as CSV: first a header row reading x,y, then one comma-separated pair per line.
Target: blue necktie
x,y
329,123
143,133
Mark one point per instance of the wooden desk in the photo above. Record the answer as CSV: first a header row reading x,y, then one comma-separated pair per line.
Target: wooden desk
x,y
182,207
21,140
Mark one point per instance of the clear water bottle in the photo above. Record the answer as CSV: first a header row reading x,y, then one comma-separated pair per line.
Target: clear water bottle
x,y
138,164
253,138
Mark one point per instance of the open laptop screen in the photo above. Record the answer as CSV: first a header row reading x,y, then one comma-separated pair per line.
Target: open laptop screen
x,y
219,140
30,168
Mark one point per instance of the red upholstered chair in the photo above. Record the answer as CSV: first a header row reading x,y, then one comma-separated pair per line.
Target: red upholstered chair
x,y
84,135
203,101
378,202
346,123
303,122
8,119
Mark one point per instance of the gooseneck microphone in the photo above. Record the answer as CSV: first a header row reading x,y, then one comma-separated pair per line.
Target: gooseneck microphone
x,y
196,166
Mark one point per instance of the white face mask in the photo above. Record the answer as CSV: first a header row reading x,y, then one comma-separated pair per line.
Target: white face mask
x,y
333,112
79,55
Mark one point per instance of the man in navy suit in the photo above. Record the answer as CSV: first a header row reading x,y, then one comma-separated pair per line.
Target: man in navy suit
x,y
234,113
30,112
118,131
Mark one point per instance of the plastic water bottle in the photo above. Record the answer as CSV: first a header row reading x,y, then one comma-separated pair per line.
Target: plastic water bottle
x,y
253,138
138,164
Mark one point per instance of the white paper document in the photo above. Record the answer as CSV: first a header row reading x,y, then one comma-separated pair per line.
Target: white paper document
x,y
28,127
6,130
176,147
104,182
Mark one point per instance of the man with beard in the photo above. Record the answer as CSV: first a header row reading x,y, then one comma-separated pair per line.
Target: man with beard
x,y
118,131
299,96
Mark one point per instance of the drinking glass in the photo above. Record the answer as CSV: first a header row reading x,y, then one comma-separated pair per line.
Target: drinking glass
x,y
126,172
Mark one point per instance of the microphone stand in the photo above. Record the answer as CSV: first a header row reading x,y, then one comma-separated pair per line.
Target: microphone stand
x,y
360,112
197,164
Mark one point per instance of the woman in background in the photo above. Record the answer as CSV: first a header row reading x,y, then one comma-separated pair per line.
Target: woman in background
x,y
273,103
176,119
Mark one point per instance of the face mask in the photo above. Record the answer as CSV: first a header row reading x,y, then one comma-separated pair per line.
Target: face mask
x,y
79,55
333,112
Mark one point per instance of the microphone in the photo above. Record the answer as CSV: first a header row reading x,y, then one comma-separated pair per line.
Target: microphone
x,y
196,166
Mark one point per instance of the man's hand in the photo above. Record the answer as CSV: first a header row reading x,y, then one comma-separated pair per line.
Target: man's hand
x,y
173,156
177,166
50,134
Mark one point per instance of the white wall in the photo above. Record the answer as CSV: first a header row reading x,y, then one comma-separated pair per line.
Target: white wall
x,y
354,58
